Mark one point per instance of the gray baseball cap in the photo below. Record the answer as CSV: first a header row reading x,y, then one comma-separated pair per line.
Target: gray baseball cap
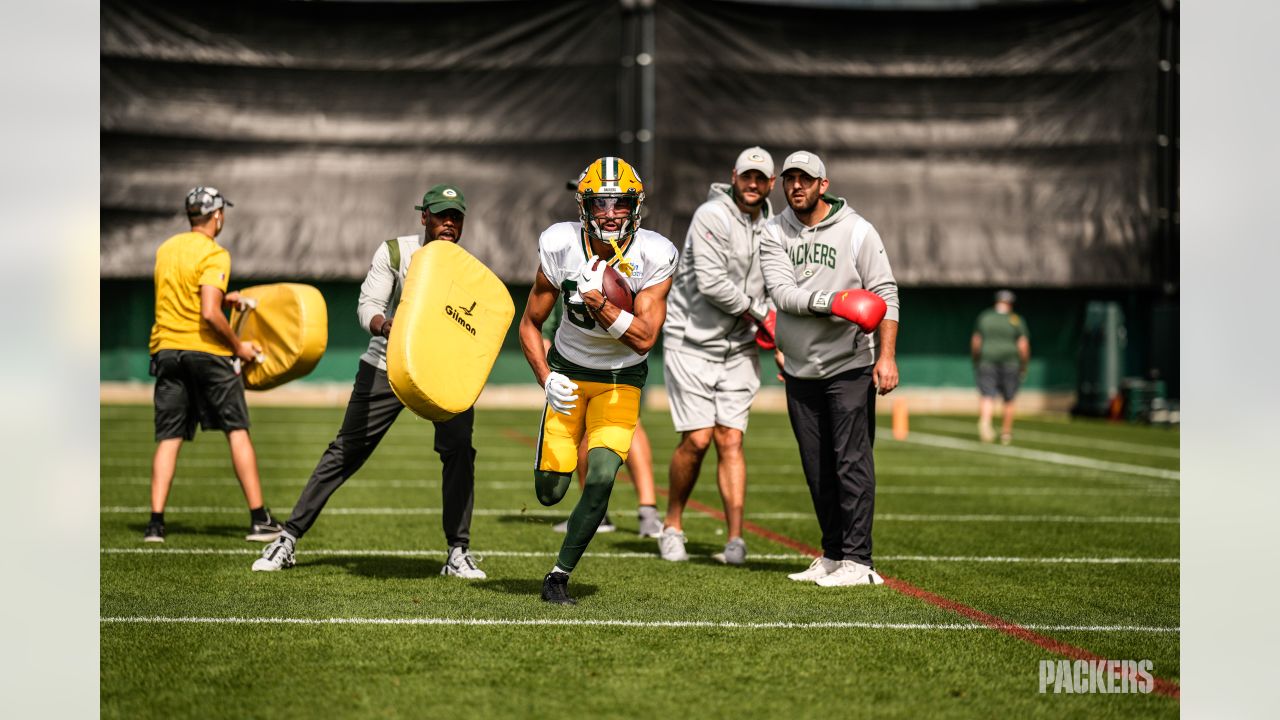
x,y
807,162
204,200
1005,296
754,158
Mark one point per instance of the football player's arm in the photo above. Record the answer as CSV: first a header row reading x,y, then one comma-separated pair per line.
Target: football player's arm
x,y
886,369
780,277
975,346
375,294
542,298
707,249
650,313
877,276
211,313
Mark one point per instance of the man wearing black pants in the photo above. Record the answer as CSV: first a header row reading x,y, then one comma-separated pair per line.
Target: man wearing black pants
x,y
374,407
825,268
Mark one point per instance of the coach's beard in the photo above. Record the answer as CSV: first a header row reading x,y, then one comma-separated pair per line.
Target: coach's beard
x,y
801,209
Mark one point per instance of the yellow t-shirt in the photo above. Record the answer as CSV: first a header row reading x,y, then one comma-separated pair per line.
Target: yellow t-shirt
x,y
183,263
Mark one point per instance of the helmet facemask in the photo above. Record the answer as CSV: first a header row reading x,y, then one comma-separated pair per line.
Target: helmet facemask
x,y
596,211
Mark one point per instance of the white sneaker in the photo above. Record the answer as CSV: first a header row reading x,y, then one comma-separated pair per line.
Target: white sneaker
x,y
650,522
985,432
276,556
735,552
460,564
671,545
851,573
819,568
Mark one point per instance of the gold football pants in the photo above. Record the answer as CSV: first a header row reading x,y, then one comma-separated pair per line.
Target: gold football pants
x,y
604,412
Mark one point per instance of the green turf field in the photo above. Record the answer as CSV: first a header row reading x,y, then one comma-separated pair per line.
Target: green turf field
x,y
1071,534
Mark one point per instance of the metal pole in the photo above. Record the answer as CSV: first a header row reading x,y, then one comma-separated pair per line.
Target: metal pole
x,y
626,121
645,59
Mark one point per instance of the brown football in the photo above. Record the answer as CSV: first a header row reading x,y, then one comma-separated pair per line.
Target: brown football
x,y
615,288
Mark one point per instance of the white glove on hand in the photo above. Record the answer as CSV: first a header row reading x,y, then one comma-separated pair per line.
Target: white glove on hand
x,y
246,303
591,278
560,393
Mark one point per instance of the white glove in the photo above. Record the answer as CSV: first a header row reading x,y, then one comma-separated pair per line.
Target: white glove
x,y
591,276
246,303
560,393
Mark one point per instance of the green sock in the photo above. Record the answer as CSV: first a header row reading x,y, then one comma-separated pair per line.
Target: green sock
x,y
550,486
602,466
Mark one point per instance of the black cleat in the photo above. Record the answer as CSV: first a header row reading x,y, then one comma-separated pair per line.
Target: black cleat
x,y
555,589
264,532
154,532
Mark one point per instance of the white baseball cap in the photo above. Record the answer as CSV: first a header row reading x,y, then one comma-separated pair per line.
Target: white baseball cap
x,y
807,162
754,158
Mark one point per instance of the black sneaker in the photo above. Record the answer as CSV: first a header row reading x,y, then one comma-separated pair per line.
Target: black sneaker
x,y
154,532
265,532
555,589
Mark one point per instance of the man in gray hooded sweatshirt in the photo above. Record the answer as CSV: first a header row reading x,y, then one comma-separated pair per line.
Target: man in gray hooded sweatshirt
x,y
710,359
815,249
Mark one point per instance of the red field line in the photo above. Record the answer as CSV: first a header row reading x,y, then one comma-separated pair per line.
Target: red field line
x,y
1161,685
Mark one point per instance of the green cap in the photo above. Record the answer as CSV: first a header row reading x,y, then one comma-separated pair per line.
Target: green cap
x,y
443,197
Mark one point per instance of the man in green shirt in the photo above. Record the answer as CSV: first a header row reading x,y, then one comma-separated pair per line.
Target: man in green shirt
x,y
1000,349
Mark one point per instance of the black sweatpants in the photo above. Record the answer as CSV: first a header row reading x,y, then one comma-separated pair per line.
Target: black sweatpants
x,y
834,423
371,411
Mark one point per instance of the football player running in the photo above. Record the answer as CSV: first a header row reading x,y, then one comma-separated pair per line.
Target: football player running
x,y
597,362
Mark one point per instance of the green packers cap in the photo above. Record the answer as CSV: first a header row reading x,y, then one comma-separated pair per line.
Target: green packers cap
x,y
443,197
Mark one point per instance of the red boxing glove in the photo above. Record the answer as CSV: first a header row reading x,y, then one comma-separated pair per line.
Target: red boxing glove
x,y
860,307
764,331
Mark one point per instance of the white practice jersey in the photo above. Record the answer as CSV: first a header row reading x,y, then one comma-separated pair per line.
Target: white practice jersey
x,y
562,250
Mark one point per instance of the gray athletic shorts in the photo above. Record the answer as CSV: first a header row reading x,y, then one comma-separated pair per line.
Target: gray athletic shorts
x,y
197,387
1002,380
705,393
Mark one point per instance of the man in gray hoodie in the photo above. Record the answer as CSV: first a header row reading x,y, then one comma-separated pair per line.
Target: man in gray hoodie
x,y
815,250
709,348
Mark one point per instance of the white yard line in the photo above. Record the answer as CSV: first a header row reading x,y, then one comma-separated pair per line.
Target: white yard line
x,y
643,624
304,552
221,461
219,510
907,517
540,512
950,443
797,487
1051,438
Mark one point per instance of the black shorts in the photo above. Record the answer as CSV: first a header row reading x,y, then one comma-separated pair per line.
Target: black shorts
x,y
195,386
999,379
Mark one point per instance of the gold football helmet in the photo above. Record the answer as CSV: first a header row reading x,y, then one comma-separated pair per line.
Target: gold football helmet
x,y
608,183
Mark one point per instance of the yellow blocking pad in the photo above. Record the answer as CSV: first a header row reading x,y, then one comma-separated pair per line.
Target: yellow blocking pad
x,y
290,324
447,331
607,413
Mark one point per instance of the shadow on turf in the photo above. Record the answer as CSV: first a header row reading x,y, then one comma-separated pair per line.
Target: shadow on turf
x,y
517,517
532,586
700,554
381,567
182,530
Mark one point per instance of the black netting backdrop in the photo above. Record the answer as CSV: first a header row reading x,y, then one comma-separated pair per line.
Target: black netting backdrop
x,y
1003,144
